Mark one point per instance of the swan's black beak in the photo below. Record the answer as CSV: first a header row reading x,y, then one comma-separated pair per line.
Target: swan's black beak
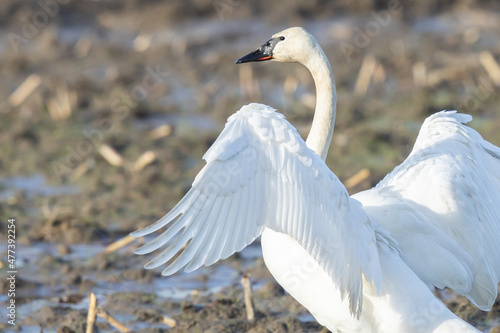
x,y
265,52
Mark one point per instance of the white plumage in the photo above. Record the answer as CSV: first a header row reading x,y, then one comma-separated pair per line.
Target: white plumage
x,y
260,174
366,263
442,205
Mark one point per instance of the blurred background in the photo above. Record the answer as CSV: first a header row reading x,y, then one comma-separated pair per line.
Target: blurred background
x,y
108,106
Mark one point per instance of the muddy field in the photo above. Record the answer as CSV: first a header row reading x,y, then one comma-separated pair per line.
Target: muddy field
x,y
108,106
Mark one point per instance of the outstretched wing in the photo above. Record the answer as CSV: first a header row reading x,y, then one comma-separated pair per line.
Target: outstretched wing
x,y
260,174
442,204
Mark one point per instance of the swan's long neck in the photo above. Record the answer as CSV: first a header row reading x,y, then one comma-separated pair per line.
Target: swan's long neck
x,y
320,136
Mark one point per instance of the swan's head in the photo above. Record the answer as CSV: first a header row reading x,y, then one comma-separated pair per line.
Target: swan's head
x,y
290,45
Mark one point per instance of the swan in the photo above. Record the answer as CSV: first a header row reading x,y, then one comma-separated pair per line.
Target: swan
x,y
366,263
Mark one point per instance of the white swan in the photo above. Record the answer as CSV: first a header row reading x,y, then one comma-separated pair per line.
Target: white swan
x,y
366,263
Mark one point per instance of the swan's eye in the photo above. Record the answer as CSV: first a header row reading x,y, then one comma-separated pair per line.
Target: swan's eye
x,y
282,38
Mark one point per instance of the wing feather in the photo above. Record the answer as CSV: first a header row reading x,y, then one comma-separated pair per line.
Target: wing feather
x,y
176,245
185,256
260,174
220,237
199,258
446,194
187,200
242,225
229,247
180,222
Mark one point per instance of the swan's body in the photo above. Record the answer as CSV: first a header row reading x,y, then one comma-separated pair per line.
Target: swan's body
x,y
367,263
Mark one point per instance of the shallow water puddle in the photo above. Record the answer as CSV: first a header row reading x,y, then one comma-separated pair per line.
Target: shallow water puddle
x,y
32,186
39,289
